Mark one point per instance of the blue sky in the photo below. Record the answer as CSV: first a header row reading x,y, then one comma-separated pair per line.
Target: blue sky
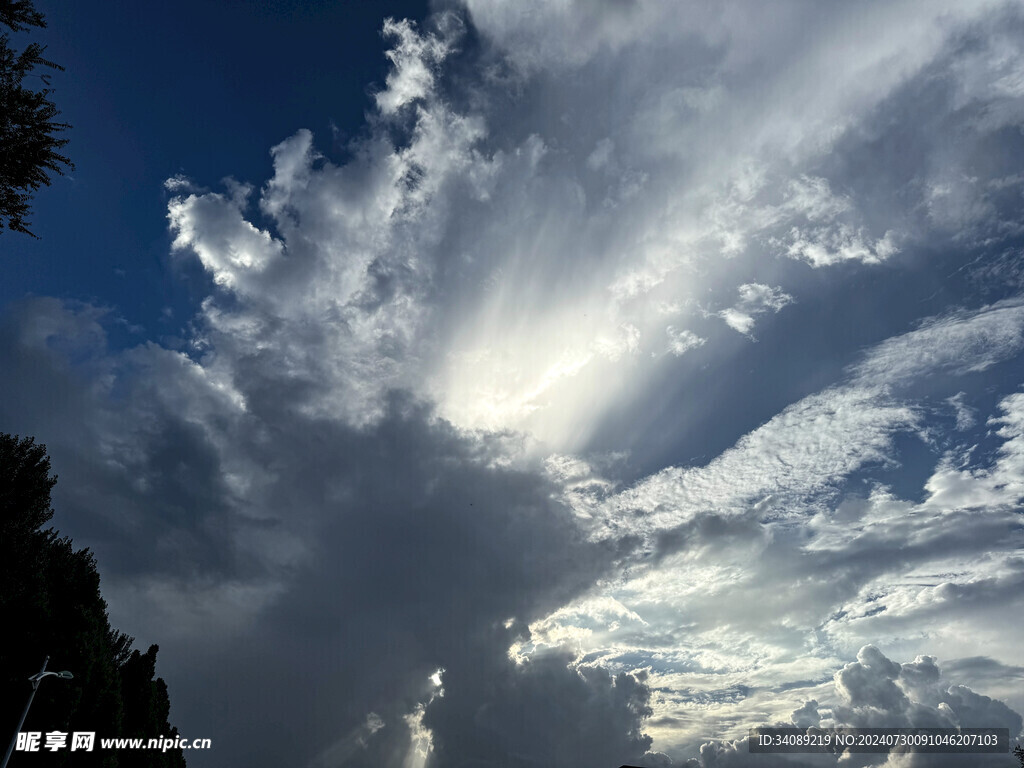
x,y
538,383
155,90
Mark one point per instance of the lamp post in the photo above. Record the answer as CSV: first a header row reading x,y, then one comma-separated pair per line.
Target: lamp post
x,y
35,680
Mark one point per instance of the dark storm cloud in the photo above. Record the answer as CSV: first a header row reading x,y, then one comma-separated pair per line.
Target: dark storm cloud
x,y
131,431
372,558
542,711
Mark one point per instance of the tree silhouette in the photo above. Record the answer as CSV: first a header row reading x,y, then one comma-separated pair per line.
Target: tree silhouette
x,y
29,143
51,605
1018,752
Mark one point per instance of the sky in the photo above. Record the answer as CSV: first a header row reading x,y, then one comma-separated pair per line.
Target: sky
x,y
568,383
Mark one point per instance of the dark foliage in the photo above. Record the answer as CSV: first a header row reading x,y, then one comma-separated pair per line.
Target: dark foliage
x,y
1018,752
51,604
29,142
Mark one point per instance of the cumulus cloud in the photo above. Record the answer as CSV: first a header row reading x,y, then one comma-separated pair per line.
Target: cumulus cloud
x,y
484,362
876,692
212,226
396,480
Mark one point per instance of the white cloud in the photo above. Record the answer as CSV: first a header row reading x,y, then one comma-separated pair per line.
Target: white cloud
x,y
959,343
1002,483
228,246
755,299
413,59
177,183
965,418
874,691
825,247
681,340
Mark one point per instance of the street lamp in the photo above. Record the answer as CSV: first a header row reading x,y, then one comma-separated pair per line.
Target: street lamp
x,y
35,680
